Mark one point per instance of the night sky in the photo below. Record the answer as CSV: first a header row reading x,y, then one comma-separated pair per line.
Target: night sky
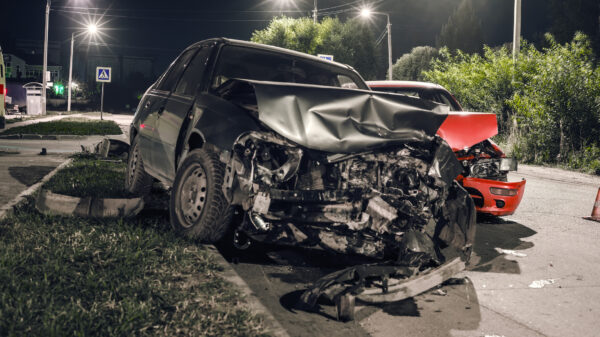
x,y
163,28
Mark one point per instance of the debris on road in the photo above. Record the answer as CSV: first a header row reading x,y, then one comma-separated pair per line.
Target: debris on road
x,y
510,252
541,283
440,292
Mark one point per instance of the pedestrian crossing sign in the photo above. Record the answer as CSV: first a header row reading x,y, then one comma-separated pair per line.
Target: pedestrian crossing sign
x,y
103,74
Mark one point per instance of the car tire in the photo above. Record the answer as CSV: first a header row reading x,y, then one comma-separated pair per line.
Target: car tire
x,y
198,209
137,181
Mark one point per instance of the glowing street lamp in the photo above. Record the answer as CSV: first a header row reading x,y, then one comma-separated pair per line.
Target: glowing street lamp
x,y
92,30
367,13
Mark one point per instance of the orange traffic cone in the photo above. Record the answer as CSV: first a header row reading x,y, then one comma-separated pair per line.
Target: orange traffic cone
x,y
596,210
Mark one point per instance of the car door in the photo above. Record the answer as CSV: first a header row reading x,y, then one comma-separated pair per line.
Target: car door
x,y
153,107
177,110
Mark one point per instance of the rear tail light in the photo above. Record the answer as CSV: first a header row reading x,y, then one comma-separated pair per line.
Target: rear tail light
x,y
503,191
2,92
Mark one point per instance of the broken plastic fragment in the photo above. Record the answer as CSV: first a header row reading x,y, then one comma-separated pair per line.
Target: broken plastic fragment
x,y
510,252
541,283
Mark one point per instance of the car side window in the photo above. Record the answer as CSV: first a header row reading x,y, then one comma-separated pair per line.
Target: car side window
x,y
193,74
442,98
169,80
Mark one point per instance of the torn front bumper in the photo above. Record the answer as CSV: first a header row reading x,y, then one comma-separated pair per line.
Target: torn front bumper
x,y
495,197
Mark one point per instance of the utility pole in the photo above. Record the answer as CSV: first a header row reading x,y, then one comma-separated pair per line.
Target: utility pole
x,y
71,72
517,30
389,36
315,13
45,66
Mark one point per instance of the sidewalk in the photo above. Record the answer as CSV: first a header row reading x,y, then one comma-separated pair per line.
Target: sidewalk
x,y
123,120
19,171
63,146
20,164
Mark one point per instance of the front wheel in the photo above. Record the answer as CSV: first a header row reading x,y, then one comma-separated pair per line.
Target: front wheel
x,y
198,208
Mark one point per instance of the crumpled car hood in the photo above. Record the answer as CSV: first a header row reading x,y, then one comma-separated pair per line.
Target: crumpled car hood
x,y
465,129
342,120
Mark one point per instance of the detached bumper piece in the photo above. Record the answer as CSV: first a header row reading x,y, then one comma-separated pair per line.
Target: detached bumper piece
x,y
398,205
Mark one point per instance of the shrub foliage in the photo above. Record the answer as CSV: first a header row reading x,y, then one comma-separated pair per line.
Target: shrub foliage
x,y
411,65
547,101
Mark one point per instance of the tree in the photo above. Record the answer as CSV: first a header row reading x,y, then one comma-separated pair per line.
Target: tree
x,y
411,65
463,30
350,42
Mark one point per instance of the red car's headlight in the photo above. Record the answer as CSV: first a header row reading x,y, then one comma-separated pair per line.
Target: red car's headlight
x,y
503,191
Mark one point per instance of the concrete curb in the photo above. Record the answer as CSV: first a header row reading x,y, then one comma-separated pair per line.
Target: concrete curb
x,y
27,136
59,204
252,303
7,209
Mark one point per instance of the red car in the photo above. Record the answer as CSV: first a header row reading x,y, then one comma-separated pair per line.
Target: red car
x,y
485,165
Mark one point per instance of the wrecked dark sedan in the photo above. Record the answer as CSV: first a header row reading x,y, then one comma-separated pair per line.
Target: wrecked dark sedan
x,y
307,156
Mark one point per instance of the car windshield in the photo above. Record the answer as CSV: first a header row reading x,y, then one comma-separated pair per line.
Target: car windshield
x,y
438,96
263,65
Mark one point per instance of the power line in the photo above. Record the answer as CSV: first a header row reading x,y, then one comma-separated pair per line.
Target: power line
x,y
160,18
175,10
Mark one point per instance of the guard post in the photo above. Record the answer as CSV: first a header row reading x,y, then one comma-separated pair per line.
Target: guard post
x,y
103,75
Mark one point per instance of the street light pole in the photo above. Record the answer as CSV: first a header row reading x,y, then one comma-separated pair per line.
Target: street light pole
x,y
70,72
315,13
389,36
517,30
366,13
45,66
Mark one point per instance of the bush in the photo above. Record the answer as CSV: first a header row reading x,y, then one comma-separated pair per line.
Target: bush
x,y
547,102
410,66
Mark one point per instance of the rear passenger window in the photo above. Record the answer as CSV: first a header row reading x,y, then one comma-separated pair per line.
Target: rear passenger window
x,y
169,81
192,77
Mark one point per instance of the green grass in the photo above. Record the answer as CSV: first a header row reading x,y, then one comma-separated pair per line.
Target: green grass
x,y
69,276
18,119
87,176
78,127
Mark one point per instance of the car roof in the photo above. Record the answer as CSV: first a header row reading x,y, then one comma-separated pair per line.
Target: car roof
x,y
404,84
254,45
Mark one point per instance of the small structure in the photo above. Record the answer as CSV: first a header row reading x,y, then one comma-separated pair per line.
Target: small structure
x,y
34,98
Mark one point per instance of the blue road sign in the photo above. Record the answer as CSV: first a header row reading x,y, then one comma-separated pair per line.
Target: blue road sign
x,y
325,57
103,74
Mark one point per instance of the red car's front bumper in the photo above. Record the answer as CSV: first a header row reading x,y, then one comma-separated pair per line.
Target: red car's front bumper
x,y
494,204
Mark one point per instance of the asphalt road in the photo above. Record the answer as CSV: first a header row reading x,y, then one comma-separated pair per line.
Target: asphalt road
x,y
545,242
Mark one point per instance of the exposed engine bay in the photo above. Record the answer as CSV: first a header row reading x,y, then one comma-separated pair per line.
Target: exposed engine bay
x,y
484,160
398,204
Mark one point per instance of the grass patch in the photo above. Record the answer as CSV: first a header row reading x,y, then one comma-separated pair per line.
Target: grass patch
x,y
79,127
17,120
87,176
67,276
70,276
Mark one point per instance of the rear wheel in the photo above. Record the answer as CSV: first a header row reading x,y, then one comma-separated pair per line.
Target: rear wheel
x,y
137,181
198,207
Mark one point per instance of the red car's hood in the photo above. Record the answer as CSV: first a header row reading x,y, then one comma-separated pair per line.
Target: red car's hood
x,y
463,129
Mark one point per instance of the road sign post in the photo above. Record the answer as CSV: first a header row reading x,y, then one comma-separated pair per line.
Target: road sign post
x,y
103,75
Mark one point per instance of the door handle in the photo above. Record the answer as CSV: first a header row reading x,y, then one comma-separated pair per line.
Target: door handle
x,y
147,105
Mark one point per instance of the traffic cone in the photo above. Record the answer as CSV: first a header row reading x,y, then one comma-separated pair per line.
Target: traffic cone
x,y
596,210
